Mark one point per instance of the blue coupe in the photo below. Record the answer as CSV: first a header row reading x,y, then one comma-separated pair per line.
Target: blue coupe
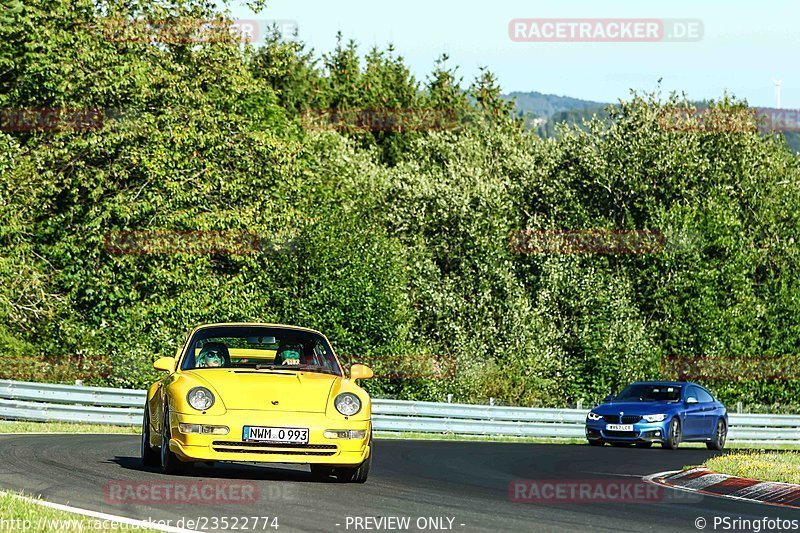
x,y
668,412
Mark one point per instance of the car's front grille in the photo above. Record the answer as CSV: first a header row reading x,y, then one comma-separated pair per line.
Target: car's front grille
x,y
274,448
621,434
625,419
274,445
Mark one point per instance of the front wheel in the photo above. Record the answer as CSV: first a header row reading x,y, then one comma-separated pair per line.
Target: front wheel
x,y
720,436
673,435
170,464
149,455
357,474
321,472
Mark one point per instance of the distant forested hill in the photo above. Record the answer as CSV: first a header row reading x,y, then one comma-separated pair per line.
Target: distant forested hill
x,y
546,105
545,111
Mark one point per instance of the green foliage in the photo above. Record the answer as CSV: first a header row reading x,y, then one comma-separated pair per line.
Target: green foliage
x,y
390,241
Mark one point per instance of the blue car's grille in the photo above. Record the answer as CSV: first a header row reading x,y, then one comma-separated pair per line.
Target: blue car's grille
x,y
625,419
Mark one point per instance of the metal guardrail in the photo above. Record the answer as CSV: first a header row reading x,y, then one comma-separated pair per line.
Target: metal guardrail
x,y
99,405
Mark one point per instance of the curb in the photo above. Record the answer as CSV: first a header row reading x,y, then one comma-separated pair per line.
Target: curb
x,y
704,481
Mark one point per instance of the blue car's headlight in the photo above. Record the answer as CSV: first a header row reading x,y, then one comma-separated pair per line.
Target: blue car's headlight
x,y
593,416
654,418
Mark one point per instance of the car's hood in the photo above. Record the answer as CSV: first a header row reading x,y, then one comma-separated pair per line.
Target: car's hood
x,y
635,408
267,390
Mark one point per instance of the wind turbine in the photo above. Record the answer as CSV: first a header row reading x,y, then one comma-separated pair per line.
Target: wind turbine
x,y
777,93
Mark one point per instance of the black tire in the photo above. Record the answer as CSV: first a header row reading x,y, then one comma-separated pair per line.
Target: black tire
x,y
357,474
596,443
320,472
720,436
643,444
674,434
170,464
149,456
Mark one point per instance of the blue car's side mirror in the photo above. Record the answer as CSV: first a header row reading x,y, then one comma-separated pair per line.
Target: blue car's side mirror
x,y
608,398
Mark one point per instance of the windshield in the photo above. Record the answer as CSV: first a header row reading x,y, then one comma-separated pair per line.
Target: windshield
x,y
650,393
260,348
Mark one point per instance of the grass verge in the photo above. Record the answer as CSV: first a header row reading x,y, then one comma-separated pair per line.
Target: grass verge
x,y
19,514
64,427
770,466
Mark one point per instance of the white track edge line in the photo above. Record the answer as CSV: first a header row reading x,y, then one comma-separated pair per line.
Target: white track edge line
x,y
102,516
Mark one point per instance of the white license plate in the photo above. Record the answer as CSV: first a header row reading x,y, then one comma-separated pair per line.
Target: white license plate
x,y
279,435
619,427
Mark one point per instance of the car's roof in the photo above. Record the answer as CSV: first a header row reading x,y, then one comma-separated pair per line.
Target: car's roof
x,y
254,324
664,383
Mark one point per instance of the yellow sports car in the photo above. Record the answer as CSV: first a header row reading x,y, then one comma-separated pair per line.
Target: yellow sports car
x,y
258,393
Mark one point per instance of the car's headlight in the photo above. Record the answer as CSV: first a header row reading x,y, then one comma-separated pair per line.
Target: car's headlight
x,y
594,416
654,418
347,403
200,398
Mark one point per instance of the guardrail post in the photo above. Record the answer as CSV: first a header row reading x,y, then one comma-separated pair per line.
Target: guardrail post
x,y
580,404
491,401
739,407
450,398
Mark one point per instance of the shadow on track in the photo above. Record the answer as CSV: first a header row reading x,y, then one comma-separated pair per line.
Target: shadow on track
x,y
231,471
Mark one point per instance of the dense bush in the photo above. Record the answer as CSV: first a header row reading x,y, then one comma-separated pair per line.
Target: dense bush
x,y
390,242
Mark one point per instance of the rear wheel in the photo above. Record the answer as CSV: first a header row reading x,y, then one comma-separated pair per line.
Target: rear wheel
x,y
170,464
149,455
673,439
720,436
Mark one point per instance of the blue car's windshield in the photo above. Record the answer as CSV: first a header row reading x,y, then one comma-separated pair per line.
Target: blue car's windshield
x,y
650,393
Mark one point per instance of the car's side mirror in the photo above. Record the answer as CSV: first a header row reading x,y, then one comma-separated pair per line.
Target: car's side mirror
x,y
608,398
165,364
359,371
691,400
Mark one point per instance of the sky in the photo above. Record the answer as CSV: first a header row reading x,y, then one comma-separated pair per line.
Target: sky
x,y
744,46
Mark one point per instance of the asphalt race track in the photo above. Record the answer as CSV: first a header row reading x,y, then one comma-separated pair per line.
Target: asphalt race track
x,y
467,482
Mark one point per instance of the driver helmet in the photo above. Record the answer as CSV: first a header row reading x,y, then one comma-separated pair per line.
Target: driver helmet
x,y
212,355
290,354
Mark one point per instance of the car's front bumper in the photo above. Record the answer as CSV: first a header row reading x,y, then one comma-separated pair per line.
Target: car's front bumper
x,y
642,432
230,447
